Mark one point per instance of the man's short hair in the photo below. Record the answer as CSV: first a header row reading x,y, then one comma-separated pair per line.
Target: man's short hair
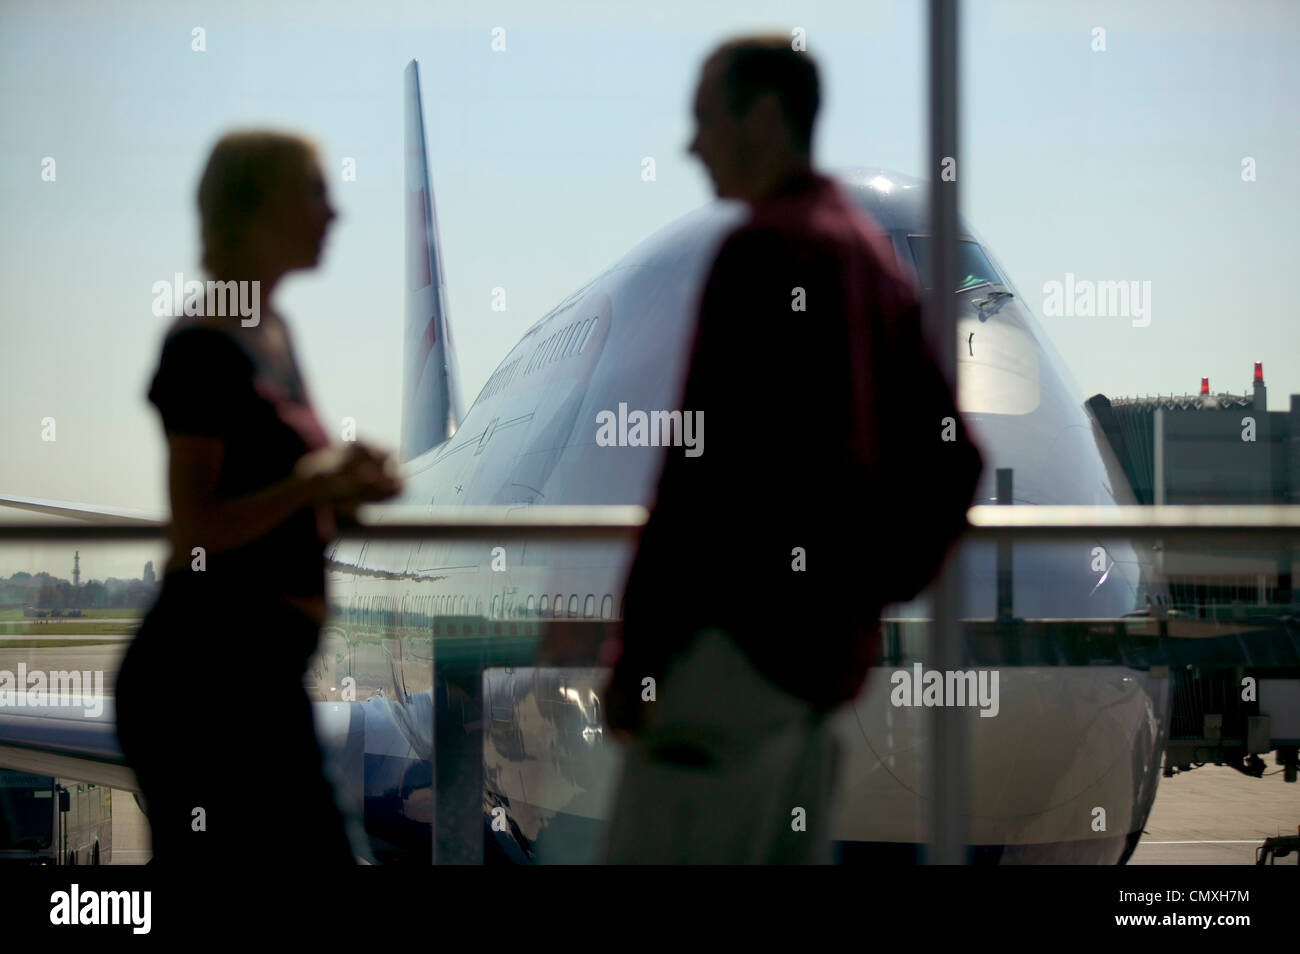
x,y
754,65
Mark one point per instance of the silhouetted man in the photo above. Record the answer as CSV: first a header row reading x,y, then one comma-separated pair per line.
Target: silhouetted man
x,y
828,491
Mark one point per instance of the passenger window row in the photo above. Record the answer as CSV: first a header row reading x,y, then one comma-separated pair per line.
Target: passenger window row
x,y
569,340
556,607
559,606
500,379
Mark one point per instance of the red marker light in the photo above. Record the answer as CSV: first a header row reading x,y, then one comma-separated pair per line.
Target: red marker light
x,y
1259,372
1205,385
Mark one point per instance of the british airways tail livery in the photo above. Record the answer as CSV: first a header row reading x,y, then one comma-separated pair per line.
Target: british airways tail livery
x,y
430,402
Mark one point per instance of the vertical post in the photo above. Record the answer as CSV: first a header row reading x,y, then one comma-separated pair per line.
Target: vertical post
x,y
949,753
458,746
1291,495
1158,450
1006,591
434,725
1158,482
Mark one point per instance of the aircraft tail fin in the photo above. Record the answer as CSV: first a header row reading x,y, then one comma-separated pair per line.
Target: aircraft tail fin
x,y
431,408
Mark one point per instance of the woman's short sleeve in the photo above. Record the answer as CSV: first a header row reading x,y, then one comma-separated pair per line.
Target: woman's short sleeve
x,y
202,383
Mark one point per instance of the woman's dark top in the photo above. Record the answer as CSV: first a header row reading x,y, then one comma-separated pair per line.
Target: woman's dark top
x,y
220,381
213,381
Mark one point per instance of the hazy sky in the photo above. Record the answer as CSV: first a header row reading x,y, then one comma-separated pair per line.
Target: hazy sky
x,y
1116,165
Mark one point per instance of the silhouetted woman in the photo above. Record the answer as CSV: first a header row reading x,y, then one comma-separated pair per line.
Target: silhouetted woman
x,y
211,710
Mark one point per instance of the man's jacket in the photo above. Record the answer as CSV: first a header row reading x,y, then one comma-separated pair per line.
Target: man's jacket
x,y
836,470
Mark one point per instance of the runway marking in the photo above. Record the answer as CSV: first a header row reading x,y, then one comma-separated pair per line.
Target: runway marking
x,y
1248,841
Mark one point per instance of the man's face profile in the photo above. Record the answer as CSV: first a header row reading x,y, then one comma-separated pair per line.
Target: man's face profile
x,y
719,135
738,150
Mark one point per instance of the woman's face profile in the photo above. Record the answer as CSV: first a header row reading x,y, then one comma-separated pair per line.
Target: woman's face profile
x,y
297,220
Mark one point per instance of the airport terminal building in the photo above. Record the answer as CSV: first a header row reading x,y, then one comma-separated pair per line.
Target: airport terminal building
x,y
1233,605
1216,449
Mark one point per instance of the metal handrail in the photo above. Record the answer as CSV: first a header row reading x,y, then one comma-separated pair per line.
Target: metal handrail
x,y
985,522
395,523
1145,522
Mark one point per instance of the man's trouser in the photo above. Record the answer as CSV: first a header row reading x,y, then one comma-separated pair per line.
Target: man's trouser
x,y
729,769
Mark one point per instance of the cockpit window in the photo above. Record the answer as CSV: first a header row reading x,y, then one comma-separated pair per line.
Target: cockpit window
x,y
973,267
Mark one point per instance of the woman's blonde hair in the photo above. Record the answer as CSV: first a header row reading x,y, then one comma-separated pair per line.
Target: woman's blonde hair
x,y
244,170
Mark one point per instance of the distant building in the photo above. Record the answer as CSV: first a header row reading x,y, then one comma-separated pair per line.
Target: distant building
x,y
148,572
1223,449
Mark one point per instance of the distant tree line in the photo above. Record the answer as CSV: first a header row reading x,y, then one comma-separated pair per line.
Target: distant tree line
x,y
43,591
